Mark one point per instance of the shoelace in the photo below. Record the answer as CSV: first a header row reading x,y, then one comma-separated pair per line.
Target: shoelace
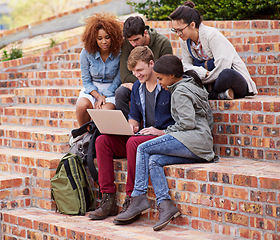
x,y
126,204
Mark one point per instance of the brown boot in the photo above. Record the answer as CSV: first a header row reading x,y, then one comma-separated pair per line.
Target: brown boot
x,y
108,207
167,212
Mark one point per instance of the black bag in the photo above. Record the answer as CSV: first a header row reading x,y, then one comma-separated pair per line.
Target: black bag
x,y
84,146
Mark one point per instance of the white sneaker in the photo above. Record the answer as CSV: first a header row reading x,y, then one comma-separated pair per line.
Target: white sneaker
x,y
227,95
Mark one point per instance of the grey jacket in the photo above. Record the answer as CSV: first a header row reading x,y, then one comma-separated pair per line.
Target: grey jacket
x,y
192,114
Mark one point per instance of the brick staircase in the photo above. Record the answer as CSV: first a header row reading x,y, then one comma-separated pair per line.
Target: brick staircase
x,y
237,198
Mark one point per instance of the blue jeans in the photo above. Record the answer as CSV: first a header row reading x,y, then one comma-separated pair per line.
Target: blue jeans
x,y
152,156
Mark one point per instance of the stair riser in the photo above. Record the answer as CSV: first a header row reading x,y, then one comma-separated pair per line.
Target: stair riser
x,y
226,202
35,141
247,129
15,192
43,118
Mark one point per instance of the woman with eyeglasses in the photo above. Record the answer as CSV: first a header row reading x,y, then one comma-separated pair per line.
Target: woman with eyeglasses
x,y
211,55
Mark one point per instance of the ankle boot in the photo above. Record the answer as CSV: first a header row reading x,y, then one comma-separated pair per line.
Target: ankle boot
x,y
125,206
108,207
167,212
137,205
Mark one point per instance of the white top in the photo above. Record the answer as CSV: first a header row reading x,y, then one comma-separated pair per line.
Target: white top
x,y
216,46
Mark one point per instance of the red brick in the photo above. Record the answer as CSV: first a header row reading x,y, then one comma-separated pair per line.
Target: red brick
x,y
260,24
263,223
225,230
236,218
201,225
195,174
253,130
220,177
271,236
250,234
259,196
187,186
188,210
272,210
211,214
232,192
240,118
263,119
272,155
270,183
251,208
252,153
225,204
202,199
211,189
243,180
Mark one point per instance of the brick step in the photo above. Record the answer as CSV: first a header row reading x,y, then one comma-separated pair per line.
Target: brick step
x,y
230,197
59,78
247,128
40,166
35,138
15,190
40,224
54,95
45,116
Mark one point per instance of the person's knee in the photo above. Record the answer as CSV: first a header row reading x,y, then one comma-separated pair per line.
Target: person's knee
x,y
122,93
132,144
83,104
101,141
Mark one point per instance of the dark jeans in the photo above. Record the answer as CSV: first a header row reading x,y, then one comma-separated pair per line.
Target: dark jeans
x,y
229,78
122,98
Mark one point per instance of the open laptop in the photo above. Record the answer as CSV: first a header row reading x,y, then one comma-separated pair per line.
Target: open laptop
x,y
110,122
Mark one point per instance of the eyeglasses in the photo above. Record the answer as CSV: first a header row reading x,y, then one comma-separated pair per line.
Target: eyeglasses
x,y
179,31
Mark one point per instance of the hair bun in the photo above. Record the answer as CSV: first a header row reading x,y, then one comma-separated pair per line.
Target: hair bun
x,y
189,4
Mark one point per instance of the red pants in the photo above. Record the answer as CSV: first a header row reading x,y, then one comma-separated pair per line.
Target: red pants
x,y
110,146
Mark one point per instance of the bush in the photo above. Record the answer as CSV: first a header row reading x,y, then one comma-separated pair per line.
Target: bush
x,y
156,10
14,54
214,9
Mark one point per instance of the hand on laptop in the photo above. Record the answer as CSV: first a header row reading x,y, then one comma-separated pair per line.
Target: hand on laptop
x,y
151,131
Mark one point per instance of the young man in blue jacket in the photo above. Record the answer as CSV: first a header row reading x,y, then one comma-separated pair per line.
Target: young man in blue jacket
x,y
150,108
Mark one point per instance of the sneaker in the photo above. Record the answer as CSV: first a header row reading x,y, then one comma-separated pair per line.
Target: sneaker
x,y
227,95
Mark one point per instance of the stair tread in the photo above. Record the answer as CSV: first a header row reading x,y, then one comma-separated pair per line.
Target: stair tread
x,y
31,153
237,166
44,130
42,107
9,176
85,228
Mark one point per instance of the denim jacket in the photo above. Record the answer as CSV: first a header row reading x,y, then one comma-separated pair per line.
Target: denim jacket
x,y
95,70
162,106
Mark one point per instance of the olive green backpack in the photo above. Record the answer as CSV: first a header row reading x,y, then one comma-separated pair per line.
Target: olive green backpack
x,y
70,187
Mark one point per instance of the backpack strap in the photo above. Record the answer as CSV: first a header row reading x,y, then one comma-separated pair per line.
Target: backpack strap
x,y
87,127
75,173
91,155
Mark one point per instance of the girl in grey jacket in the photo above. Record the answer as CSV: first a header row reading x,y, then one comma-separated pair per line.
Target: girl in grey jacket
x,y
211,55
188,140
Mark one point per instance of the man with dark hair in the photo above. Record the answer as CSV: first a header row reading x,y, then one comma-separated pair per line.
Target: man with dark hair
x,y
150,106
137,34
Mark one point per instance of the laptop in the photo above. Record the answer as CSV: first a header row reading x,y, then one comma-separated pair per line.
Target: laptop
x,y
110,122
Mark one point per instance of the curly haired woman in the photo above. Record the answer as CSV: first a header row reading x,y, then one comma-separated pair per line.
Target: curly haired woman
x,y
99,60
